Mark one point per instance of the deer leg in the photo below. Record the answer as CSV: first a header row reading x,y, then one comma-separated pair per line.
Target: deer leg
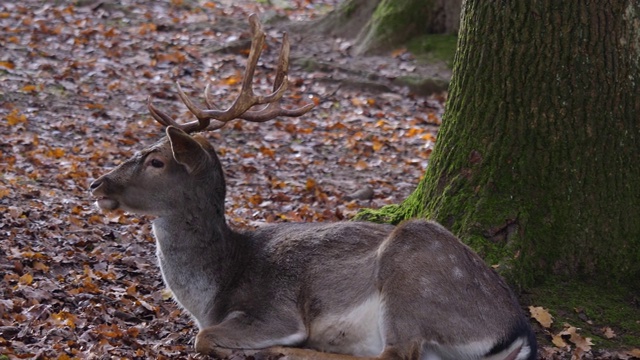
x,y
294,353
290,353
216,352
243,332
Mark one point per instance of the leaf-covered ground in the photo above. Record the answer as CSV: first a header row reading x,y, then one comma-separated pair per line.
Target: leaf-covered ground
x,y
75,76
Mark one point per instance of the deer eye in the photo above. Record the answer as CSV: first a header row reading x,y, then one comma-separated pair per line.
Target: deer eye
x,y
156,163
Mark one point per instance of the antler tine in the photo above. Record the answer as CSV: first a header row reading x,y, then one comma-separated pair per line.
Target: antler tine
x,y
247,98
241,104
160,116
207,97
280,84
166,120
211,105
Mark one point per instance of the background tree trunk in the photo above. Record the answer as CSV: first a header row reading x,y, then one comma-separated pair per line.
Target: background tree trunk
x,y
382,25
536,165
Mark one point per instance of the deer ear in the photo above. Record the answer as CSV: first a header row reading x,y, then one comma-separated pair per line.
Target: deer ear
x,y
186,150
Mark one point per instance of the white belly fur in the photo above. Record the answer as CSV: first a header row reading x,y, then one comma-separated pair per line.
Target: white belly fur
x,y
357,331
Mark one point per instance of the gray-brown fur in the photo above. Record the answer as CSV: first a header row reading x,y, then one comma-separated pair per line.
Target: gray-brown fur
x,y
287,288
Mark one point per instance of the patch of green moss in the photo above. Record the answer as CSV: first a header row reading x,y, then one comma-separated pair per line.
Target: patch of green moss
x,y
434,47
349,8
392,23
387,21
591,308
385,215
411,207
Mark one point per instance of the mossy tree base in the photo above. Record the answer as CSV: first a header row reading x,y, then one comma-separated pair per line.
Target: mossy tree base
x,y
382,25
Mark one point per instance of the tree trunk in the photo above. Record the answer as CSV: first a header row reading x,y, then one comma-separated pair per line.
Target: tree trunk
x,y
537,162
382,25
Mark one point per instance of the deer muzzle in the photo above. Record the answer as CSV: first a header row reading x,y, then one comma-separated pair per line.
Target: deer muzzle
x,y
105,203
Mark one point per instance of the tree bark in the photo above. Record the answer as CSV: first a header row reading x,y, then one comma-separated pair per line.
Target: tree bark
x,y
536,165
382,25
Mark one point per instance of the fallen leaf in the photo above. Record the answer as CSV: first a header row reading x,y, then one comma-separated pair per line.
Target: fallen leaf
x,y
580,341
310,185
4,192
14,117
634,352
541,315
26,279
40,266
608,332
29,88
558,341
361,165
8,65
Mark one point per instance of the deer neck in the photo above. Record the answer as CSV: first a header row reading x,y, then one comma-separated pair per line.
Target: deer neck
x,y
195,229
197,209
196,251
199,224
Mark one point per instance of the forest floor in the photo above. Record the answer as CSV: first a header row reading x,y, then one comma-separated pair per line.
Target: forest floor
x,y
77,283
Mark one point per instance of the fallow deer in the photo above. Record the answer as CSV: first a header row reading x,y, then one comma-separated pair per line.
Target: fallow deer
x,y
334,291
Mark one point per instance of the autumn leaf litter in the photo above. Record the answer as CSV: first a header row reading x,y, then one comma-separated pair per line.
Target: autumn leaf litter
x,y
75,79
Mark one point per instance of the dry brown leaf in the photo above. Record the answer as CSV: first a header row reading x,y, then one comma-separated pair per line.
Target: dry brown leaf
x,y
541,315
7,65
15,118
56,153
634,352
398,52
428,137
267,152
64,318
232,80
361,165
40,266
26,279
310,185
577,354
558,341
580,342
131,290
4,192
255,199
377,145
608,332
356,102
413,132
95,106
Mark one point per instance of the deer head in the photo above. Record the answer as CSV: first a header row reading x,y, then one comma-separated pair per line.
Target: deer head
x,y
147,182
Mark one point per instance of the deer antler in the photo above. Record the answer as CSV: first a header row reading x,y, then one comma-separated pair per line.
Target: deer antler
x,y
247,98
